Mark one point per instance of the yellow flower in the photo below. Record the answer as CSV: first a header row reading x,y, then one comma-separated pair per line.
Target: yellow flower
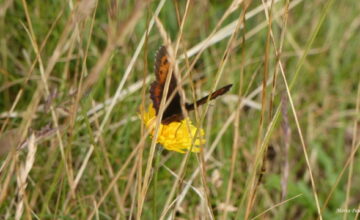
x,y
175,136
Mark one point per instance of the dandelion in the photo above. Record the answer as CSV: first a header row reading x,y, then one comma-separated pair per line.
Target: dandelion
x,y
175,136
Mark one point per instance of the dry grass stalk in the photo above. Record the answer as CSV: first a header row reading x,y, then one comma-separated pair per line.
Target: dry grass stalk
x,y
22,176
236,139
45,72
303,145
287,138
117,93
115,37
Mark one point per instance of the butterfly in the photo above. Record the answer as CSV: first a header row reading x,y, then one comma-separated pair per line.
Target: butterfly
x,y
173,112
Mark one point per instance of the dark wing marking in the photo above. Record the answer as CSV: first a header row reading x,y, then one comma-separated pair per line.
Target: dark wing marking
x,y
189,107
214,95
174,117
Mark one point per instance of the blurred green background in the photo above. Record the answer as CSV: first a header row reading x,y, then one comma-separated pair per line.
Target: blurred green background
x,y
66,43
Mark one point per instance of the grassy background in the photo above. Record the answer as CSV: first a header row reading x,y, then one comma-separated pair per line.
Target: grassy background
x,y
61,60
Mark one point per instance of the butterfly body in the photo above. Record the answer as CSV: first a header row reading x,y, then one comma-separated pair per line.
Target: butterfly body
x,y
173,112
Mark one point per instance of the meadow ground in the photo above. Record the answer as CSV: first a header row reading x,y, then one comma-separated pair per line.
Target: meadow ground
x,y
281,144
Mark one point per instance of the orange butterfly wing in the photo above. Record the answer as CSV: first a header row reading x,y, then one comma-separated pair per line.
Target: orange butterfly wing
x,y
162,67
173,111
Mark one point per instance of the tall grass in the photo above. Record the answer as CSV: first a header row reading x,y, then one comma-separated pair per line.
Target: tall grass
x,y
280,145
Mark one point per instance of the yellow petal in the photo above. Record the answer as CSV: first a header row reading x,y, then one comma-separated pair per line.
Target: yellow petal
x,y
175,136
